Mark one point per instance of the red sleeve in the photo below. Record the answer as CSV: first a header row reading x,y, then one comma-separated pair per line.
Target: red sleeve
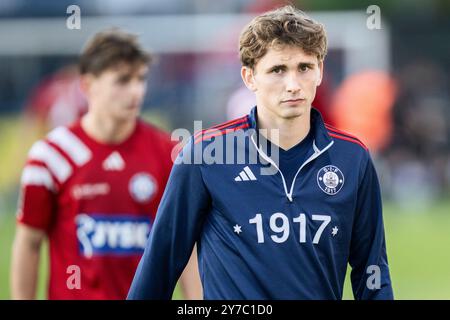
x,y
38,193
36,206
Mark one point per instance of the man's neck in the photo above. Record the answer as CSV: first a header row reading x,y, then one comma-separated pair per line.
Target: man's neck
x,y
107,130
290,131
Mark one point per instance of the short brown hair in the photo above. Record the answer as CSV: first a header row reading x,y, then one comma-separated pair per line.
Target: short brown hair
x,y
284,26
109,48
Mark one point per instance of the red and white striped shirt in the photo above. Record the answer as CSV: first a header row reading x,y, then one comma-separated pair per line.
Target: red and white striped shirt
x,y
96,202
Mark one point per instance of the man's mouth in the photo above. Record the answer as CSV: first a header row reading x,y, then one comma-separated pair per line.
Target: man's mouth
x,y
132,106
293,101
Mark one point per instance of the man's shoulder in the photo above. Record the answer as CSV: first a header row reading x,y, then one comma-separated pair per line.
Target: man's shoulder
x,y
346,141
60,152
148,131
221,130
224,143
352,153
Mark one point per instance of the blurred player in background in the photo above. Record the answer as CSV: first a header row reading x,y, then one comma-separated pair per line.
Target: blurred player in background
x,y
93,188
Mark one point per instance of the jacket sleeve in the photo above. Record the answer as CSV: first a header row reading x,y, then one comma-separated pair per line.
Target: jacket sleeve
x,y
177,227
370,271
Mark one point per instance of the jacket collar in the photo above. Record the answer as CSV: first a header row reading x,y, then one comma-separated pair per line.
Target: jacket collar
x,y
320,134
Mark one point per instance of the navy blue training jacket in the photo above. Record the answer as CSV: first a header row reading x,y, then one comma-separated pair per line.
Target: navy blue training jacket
x,y
257,236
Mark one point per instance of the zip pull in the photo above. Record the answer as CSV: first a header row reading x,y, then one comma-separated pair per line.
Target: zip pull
x,y
268,159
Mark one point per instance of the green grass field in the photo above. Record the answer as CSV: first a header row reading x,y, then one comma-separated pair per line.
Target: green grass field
x,y
417,247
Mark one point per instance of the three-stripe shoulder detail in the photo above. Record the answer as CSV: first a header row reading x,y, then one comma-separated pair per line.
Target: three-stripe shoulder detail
x,y
56,156
221,129
342,135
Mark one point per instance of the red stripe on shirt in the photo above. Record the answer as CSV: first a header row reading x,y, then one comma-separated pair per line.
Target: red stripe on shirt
x,y
222,126
338,136
338,131
221,133
38,163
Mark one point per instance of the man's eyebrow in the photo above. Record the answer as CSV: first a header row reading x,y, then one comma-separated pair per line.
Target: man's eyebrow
x,y
277,66
306,63
283,66
131,73
124,75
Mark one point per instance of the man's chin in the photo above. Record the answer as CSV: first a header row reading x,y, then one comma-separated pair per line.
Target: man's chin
x,y
127,115
293,112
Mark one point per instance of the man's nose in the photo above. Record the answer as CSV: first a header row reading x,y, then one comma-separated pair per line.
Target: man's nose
x,y
292,82
137,89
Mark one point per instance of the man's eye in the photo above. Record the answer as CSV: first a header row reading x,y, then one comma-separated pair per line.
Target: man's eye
x,y
123,80
304,67
277,70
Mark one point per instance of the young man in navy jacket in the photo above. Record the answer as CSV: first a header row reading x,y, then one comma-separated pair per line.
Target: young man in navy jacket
x,y
278,202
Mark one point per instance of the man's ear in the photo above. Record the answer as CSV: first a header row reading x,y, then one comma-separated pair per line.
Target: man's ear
x,y
320,72
248,78
85,82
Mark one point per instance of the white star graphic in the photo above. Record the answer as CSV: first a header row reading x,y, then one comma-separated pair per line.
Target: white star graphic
x,y
334,231
237,229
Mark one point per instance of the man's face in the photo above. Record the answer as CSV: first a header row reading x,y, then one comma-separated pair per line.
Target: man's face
x,y
118,92
285,81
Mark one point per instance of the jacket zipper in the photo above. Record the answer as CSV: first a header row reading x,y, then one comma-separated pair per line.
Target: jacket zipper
x,y
317,152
